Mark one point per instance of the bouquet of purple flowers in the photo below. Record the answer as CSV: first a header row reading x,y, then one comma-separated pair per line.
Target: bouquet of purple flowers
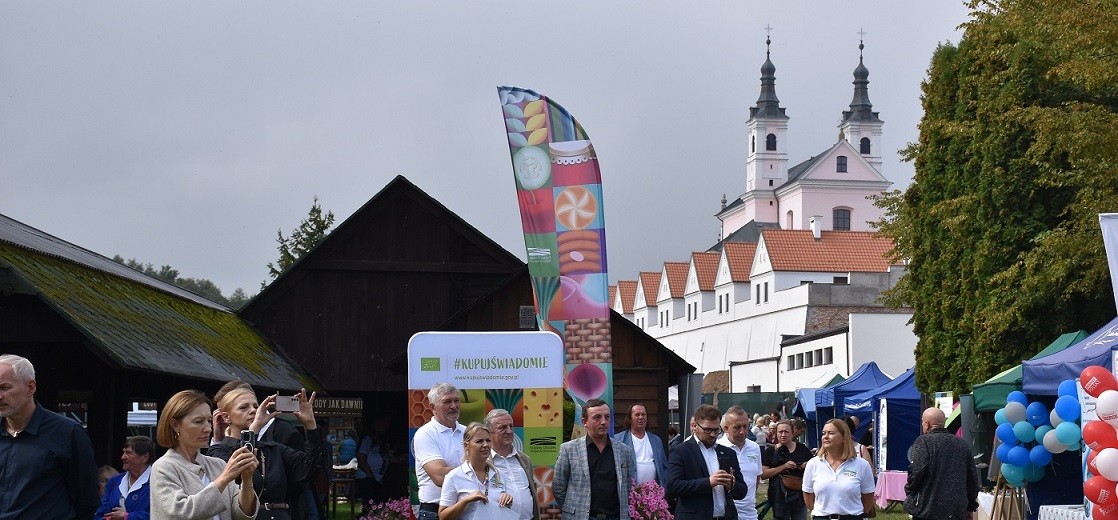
x,y
646,502
396,509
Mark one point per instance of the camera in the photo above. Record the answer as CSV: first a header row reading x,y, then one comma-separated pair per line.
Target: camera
x,y
248,439
287,403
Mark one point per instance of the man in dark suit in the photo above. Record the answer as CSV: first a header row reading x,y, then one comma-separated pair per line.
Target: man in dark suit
x,y
704,476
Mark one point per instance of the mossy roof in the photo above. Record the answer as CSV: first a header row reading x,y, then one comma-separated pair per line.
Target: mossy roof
x,y
143,328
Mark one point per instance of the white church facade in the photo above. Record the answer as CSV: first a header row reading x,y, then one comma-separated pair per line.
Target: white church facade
x,y
790,296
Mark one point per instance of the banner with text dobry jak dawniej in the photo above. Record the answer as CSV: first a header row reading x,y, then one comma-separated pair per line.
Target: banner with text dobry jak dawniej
x,y
521,372
559,190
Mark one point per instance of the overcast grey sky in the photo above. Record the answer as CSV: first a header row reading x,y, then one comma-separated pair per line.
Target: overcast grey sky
x,y
186,133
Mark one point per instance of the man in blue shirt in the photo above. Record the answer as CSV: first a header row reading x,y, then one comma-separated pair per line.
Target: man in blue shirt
x,y
46,460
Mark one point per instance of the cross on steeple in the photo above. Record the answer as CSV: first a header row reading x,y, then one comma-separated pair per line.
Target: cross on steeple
x,y
861,44
768,40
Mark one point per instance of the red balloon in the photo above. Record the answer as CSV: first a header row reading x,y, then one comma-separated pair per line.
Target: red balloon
x,y
1100,491
1096,380
1105,512
1098,435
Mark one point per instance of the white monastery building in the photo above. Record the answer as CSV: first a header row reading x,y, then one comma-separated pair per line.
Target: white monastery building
x,y
790,295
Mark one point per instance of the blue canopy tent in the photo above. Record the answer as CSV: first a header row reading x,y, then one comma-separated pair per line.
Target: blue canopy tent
x,y
896,412
1043,376
805,407
867,377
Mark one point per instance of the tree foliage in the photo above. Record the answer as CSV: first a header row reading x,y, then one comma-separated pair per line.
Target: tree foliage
x,y
1015,159
303,238
200,286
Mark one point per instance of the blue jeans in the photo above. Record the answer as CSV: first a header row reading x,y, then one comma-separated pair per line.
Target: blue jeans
x,y
428,515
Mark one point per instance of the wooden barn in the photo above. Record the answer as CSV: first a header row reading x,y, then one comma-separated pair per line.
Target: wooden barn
x,y
103,336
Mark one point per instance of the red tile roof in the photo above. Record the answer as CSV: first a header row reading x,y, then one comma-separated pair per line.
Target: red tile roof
x,y
651,284
740,257
706,268
835,251
628,290
612,295
677,277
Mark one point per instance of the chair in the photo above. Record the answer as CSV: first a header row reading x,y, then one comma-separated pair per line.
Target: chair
x,y
343,489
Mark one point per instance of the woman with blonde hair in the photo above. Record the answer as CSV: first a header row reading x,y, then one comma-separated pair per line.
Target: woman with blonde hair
x,y
838,483
472,482
186,485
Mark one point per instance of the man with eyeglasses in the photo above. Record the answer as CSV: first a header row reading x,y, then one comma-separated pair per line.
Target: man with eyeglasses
x,y
703,475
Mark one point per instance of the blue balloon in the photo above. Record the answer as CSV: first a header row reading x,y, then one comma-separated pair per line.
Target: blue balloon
x,y
1068,433
999,416
1019,456
1075,446
1017,396
1003,452
1039,456
1036,414
1067,407
1013,474
1068,388
1034,473
1040,431
1024,431
1005,433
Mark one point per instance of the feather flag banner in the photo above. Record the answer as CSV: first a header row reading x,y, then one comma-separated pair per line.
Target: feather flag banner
x,y
559,190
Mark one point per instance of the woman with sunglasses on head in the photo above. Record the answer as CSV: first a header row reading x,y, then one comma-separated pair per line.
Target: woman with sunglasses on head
x,y
281,467
475,482
838,483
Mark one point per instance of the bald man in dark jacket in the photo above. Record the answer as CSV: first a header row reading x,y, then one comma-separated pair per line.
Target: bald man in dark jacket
x,y
942,480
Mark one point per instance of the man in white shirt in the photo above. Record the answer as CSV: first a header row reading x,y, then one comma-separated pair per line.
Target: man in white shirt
x,y
652,459
438,447
513,466
735,422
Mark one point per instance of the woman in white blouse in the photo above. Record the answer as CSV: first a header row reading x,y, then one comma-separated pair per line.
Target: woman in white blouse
x,y
837,482
469,486
186,485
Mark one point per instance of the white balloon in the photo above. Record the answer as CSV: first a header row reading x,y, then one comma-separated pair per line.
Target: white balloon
x,y
1014,412
1107,462
1053,444
1107,406
1054,419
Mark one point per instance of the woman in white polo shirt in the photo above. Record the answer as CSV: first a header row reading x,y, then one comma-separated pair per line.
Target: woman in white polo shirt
x,y
467,487
838,484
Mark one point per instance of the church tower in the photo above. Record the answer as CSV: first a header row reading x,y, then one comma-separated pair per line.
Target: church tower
x,y
860,125
767,163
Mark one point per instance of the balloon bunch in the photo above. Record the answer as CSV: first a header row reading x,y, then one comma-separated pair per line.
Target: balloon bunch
x,y
1030,434
1102,439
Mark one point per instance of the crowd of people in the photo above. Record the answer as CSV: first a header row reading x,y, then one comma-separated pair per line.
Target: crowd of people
x,y
233,460
237,460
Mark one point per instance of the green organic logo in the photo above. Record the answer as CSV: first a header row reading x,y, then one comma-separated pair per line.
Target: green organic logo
x,y
430,364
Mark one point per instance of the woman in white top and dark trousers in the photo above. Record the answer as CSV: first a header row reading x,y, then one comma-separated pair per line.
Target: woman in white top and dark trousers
x,y
475,482
838,484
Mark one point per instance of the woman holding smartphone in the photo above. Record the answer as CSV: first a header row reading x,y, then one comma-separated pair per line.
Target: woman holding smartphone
x,y
186,485
281,467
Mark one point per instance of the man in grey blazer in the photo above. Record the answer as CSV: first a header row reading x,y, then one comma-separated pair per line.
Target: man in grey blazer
x,y
593,474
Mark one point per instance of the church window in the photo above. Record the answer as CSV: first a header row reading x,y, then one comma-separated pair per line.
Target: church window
x,y
864,146
840,164
770,142
753,143
841,219
791,221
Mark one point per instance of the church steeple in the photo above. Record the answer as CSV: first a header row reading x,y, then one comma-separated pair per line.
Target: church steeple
x,y
766,168
861,125
768,105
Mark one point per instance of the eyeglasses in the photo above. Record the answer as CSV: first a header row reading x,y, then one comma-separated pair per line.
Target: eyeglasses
x,y
711,431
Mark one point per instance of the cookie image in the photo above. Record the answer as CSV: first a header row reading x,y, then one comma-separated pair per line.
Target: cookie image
x,y
576,207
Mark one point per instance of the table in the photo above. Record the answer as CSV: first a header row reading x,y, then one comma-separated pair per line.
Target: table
x,y
1069,512
890,488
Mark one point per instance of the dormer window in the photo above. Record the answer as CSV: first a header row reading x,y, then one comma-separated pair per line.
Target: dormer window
x,y
770,142
840,164
864,146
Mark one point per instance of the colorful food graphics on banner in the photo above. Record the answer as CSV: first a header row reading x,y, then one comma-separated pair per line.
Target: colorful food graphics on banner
x,y
559,189
521,372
